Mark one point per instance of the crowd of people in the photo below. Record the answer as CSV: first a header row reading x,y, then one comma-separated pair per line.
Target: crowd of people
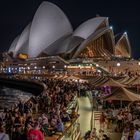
x,y
125,120
93,135
40,116
47,114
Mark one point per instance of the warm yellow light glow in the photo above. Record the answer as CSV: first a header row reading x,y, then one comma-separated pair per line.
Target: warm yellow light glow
x,y
22,56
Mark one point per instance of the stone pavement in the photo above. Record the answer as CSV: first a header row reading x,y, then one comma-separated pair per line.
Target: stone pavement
x,y
85,111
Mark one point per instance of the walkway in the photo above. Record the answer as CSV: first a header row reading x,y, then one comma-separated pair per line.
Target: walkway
x,y
85,111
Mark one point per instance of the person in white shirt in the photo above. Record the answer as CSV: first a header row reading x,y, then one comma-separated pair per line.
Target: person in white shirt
x,y
136,135
115,113
93,134
3,135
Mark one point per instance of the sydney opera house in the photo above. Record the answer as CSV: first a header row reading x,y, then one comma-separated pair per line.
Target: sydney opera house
x,y
50,33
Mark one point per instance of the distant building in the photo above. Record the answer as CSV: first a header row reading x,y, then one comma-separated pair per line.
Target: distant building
x,y
51,34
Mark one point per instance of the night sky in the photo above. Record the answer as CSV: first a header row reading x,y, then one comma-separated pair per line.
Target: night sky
x,y
123,16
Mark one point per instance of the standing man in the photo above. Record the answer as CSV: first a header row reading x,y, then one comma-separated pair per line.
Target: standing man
x,y
136,135
35,133
3,135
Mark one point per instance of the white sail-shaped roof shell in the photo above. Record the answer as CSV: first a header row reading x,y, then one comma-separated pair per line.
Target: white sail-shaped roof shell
x,y
49,24
94,36
123,46
13,45
22,43
51,33
89,27
63,45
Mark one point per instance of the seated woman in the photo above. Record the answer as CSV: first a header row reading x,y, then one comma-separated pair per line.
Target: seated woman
x,y
45,119
93,134
45,124
17,120
53,121
65,116
60,126
100,134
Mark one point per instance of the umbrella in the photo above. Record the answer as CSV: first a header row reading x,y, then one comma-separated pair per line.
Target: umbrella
x,y
123,94
99,81
123,80
111,82
136,81
129,81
